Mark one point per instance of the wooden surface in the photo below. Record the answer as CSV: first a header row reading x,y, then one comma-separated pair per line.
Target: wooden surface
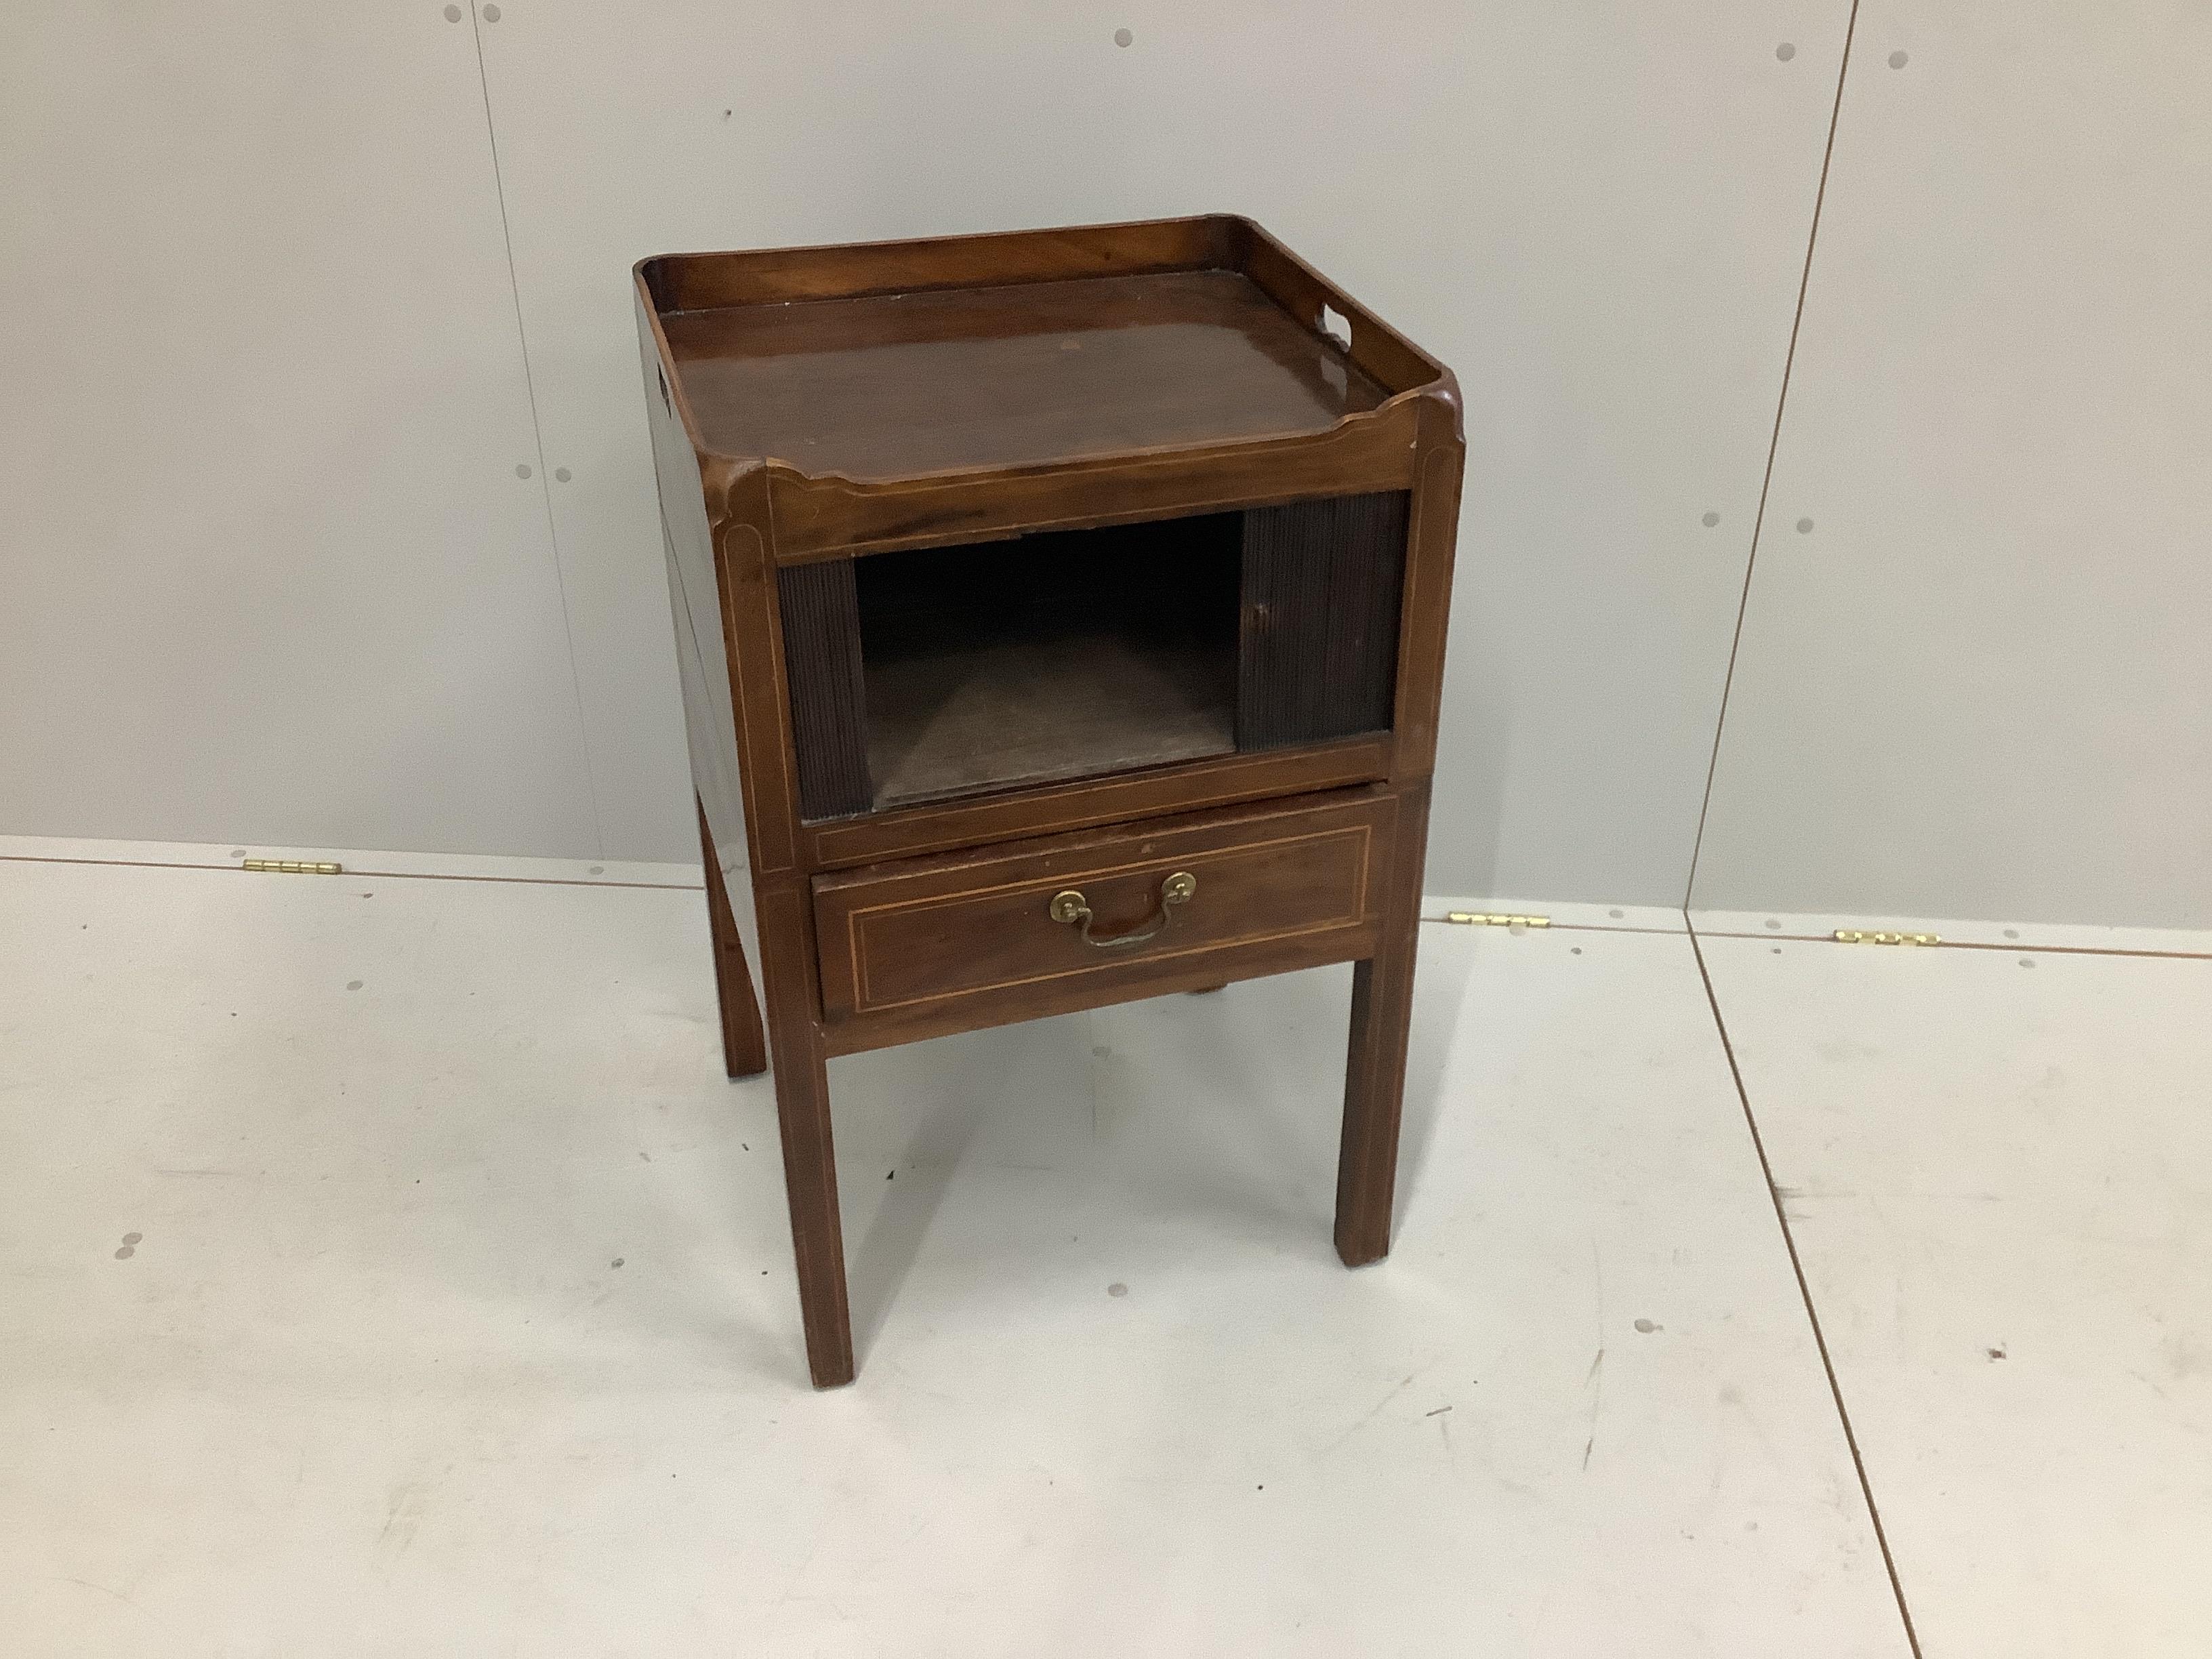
x,y
899,385
998,666
810,1155
744,1044
1374,1052
1218,781
828,693
919,393
940,931
1066,703
1318,658
719,793
1064,654
835,518
1034,259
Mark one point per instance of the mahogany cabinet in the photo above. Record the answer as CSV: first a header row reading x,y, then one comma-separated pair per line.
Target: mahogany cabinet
x,y
1060,616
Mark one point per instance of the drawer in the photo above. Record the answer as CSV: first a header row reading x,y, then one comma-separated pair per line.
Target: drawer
x,y
1039,926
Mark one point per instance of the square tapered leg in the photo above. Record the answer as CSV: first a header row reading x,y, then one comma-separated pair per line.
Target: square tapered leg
x,y
745,1049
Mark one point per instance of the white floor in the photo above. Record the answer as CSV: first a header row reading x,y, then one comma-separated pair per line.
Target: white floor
x,y
1998,1171
386,1267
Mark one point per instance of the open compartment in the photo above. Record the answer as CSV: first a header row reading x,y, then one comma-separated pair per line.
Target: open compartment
x,y
932,673
1049,656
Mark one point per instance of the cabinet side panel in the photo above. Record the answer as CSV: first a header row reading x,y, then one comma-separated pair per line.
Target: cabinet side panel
x,y
702,657
828,695
1318,654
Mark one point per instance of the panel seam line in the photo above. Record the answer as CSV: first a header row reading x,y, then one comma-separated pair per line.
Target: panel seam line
x,y
538,440
366,873
1773,445
1804,1291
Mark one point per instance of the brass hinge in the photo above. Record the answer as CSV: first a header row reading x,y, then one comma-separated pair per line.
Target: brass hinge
x,y
1481,919
292,868
1862,936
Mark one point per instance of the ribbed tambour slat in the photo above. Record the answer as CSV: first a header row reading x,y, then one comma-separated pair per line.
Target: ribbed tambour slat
x,y
1318,655
829,698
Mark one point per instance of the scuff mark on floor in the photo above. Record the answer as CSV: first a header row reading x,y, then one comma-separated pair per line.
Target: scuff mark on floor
x,y
402,1515
1596,1384
1368,1416
1594,1381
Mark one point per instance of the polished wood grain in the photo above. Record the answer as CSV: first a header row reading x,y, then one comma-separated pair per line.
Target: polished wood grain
x,y
814,407
810,1156
745,1045
918,1021
1322,590
967,380
1053,704
1058,654
949,932
769,276
835,518
821,619
1218,781
1375,1056
1425,607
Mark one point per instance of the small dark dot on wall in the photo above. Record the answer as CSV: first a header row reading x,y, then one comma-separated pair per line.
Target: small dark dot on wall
x,y
1804,527
1122,37
1898,60
353,985
1785,52
1711,519
616,1263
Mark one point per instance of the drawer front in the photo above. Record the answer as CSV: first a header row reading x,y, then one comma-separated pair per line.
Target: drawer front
x,y
978,938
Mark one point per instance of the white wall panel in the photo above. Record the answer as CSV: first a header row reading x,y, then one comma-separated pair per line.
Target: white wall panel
x,y
1979,683
269,574
1596,213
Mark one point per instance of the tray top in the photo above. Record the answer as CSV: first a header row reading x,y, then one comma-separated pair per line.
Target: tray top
x,y
891,387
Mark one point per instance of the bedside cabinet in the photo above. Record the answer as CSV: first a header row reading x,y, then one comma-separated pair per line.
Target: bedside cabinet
x,y
1061,617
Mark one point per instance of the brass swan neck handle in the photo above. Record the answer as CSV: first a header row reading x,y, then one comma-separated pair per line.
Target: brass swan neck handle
x,y
1069,906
